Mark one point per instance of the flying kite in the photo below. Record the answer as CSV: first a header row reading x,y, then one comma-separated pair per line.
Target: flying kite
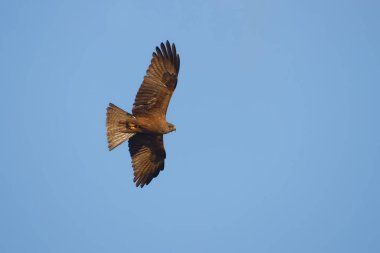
x,y
147,124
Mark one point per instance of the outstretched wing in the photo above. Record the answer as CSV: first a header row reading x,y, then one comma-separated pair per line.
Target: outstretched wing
x,y
148,156
159,82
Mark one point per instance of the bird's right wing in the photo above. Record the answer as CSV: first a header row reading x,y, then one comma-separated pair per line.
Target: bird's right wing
x,y
159,83
148,157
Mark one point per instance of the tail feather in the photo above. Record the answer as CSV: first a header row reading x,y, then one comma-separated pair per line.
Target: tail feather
x,y
117,122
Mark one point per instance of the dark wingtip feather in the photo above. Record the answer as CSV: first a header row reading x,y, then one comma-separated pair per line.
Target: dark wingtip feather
x,y
138,182
158,50
179,62
174,48
163,48
174,52
170,53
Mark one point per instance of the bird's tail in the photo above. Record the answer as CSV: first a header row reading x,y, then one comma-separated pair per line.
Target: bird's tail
x,y
120,126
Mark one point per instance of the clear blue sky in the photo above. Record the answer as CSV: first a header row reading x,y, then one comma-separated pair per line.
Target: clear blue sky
x,y
277,147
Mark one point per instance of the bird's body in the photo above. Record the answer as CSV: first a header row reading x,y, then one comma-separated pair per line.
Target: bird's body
x,y
153,126
147,124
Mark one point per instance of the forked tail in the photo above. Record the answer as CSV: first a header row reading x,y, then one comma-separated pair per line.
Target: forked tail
x,y
120,126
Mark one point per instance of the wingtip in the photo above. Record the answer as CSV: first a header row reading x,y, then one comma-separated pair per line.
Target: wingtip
x,y
139,184
164,50
159,52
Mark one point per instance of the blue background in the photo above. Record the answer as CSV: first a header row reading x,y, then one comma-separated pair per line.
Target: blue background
x,y
277,147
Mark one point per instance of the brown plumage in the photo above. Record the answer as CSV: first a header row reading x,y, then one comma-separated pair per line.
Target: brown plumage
x,y
147,124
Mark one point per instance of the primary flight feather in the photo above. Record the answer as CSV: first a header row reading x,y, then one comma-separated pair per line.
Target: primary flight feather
x,y
147,124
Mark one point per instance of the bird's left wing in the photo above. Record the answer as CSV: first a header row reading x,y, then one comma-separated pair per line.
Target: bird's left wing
x,y
159,82
148,157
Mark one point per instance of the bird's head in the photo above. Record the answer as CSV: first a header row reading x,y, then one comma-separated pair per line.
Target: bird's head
x,y
171,127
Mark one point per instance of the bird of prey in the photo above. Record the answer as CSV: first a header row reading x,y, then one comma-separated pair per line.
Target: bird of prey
x,y
147,124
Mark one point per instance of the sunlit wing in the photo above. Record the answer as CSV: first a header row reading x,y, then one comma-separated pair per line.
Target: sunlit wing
x,y
159,82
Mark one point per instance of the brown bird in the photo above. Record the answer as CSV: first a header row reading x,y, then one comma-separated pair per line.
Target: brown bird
x,y
147,124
